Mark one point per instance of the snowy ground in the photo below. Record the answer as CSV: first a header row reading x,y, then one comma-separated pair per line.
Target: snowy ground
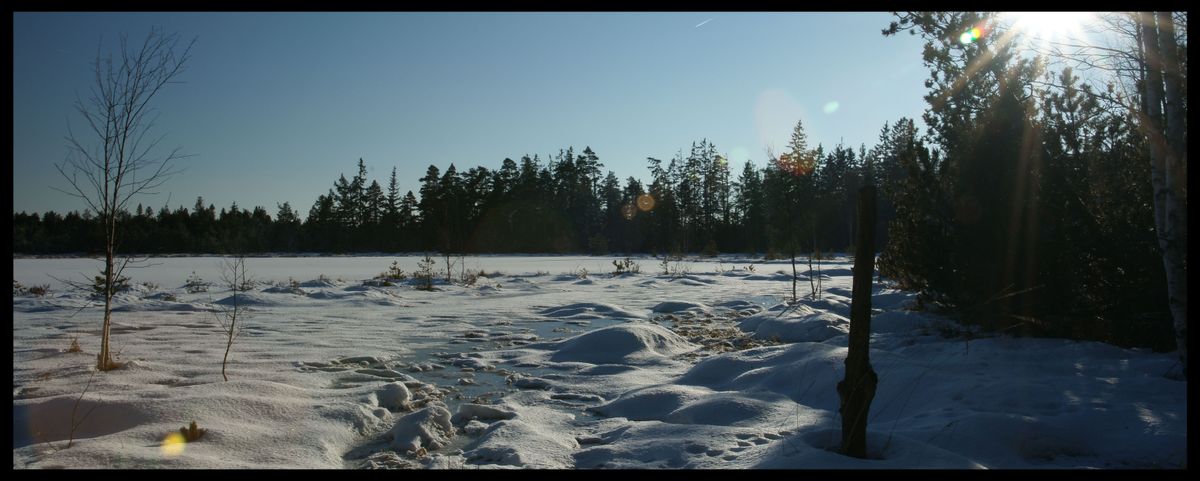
x,y
538,366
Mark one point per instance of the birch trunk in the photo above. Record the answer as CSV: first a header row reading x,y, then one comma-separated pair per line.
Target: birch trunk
x,y
1168,164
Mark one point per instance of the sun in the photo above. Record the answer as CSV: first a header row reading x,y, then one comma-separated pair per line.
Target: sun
x,y
1047,27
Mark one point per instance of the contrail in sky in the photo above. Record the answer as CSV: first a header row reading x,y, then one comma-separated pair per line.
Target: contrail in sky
x,y
701,24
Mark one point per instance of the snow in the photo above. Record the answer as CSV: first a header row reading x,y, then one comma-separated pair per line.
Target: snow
x,y
394,396
428,429
628,343
536,367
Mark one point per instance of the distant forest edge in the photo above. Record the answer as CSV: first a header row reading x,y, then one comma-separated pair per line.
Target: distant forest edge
x,y
564,206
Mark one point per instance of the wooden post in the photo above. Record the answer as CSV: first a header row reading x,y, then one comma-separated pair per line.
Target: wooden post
x,y
858,388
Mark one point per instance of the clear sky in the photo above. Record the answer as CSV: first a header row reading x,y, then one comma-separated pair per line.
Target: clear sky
x,y
277,105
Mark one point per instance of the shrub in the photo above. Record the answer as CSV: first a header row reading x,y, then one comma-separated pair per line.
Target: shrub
x,y
291,285
626,265
469,277
150,286
120,284
393,273
40,291
424,273
18,289
195,284
710,249
672,265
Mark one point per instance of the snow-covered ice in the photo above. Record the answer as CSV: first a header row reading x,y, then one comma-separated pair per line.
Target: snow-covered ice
x,y
552,362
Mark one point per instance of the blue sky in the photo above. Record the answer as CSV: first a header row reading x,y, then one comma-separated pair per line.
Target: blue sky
x,y
277,105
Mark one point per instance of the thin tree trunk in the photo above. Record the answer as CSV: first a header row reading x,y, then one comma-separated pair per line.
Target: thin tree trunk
x,y
1173,238
228,347
232,326
794,276
858,388
812,283
1167,202
104,360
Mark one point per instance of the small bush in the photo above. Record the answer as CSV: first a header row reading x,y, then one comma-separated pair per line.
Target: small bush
x,y
192,433
40,291
18,289
120,284
470,277
710,249
150,286
393,273
672,265
424,273
626,265
291,285
195,284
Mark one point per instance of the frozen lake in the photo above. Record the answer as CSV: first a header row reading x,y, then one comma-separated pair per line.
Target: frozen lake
x,y
174,271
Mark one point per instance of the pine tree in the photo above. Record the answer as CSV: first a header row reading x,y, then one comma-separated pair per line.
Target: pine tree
x,y
430,207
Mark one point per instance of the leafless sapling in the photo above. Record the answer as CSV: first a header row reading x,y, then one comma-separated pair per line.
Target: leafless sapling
x,y
115,161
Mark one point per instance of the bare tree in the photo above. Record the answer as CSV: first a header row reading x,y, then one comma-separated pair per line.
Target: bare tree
x,y
112,163
233,275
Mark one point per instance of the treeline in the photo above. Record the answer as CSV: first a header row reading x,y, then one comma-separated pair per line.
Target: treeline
x,y
692,204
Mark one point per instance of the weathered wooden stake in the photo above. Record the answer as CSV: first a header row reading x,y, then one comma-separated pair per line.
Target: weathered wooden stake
x,y
858,388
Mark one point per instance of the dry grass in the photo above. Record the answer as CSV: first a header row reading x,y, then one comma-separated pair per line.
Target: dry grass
x,y
192,432
75,345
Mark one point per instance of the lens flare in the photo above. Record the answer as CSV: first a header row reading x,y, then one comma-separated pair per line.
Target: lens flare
x,y
796,165
645,202
172,445
970,36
